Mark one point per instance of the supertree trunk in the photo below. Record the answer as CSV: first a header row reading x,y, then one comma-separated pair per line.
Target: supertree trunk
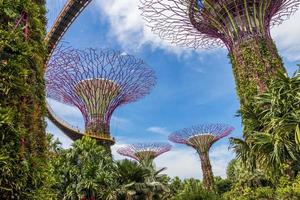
x,y
208,177
255,64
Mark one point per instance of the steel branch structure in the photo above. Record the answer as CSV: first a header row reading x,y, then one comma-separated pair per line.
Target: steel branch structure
x,y
97,82
210,23
144,152
243,26
201,138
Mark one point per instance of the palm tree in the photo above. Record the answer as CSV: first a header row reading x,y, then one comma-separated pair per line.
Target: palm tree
x,y
129,175
137,181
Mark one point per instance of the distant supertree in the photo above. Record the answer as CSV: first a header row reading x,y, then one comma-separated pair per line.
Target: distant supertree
x,y
97,82
144,152
201,138
243,26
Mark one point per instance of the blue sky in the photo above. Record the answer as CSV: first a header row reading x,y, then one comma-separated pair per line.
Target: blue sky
x,y
193,86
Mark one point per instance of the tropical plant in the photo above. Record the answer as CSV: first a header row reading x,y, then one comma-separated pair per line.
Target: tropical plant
x,y
273,144
222,185
137,181
194,190
129,175
288,190
85,171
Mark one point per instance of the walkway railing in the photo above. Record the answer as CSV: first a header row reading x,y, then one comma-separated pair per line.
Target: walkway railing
x,y
73,132
66,17
62,124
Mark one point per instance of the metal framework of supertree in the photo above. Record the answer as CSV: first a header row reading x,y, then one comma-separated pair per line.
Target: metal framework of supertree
x,y
201,138
243,26
212,23
97,82
144,152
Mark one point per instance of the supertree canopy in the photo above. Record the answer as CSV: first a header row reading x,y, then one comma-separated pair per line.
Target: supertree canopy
x,y
97,82
243,26
144,152
210,23
201,138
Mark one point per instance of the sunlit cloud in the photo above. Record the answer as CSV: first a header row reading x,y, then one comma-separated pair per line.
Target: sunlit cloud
x,y
158,130
287,39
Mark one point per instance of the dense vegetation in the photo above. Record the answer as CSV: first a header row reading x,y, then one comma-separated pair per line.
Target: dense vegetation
x,y
268,160
33,166
86,171
23,140
266,166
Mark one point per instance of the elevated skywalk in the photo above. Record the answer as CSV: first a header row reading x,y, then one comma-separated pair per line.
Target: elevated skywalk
x,y
73,132
66,17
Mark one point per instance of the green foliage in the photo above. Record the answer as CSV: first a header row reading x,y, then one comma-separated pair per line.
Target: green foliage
x,y
23,143
255,63
274,147
84,171
222,185
248,193
176,186
268,157
139,182
288,190
193,190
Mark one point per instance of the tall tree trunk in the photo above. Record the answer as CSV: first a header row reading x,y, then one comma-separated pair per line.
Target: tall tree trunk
x,y
255,64
208,177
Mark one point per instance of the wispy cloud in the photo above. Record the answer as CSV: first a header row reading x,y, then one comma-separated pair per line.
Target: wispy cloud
x,y
287,37
128,27
64,110
64,139
159,130
185,163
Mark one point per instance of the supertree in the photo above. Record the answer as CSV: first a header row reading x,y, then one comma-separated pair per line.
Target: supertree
x,y
144,152
97,82
201,138
243,26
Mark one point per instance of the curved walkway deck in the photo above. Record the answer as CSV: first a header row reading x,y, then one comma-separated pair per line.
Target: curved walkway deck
x,y
72,132
66,17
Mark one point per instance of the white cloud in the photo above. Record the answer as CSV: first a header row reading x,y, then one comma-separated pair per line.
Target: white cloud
x,y
114,149
64,139
128,27
64,110
287,37
185,162
159,130
120,123
220,156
